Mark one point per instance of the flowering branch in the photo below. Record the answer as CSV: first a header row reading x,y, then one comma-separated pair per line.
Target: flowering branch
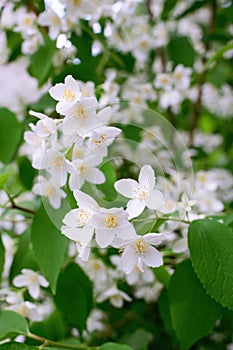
x,y
46,342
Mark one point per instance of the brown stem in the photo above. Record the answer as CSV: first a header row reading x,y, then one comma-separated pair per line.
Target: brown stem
x,y
46,342
148,6
16,206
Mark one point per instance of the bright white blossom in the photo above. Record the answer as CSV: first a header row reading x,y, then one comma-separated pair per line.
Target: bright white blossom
x,y
32,280
141,250
142,193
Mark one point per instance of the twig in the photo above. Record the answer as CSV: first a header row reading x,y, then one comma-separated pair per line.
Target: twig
x,y
16,206
46,342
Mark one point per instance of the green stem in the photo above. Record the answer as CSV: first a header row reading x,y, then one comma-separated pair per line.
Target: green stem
x,y
167,218
46,342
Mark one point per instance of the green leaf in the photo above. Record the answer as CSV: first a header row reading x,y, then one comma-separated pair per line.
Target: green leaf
x,y
194,7
181,51
42,61
162,275
108,187
193,312
2,257
10,135
138,340
210,244
168,6
115,346
4,178
165,313
11,324
74,295
26,172
49,246
53,327
24,257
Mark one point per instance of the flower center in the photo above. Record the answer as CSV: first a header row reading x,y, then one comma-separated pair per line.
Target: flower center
x,y
82,169
57,162
140,193
141,247
111,221
83,216
68,95
80,113
49,191
102,139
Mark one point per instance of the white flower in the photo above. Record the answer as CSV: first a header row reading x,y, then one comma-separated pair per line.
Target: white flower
x,y
181,76
142,192
79,116
32,280
50,190
50,19
140,251
84,170
110,224
115,296
185,203
102,137
45,127
27,309
67,94
164,81
56,164
77,221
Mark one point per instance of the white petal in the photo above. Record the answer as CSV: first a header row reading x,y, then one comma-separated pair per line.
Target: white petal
x,y
34,290
154,238
147,177
77,234
43,282
104,237
20,281
126,187
70,218
95,176
126,232
155,200
135,207
70,125
128,260
152,258
84,200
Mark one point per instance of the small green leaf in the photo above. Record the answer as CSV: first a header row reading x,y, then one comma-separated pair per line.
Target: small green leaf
x,y
42,61
3,179
115,346
193,312
2,257
49,246
10,135
74,295
181,51
12,323
210,244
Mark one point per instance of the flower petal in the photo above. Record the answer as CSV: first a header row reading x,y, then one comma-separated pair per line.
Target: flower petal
x,y
155,200
134,208
104,237
147,177
152,258
126,187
